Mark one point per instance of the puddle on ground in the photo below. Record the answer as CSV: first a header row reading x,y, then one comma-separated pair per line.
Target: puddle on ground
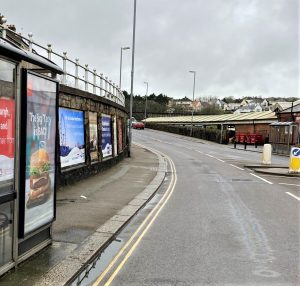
x,y
94,270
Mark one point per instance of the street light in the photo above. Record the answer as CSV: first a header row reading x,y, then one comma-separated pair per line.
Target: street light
x,y
122,49
193,72
132,76
145,82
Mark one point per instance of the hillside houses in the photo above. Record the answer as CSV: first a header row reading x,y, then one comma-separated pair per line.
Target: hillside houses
x,y
244,106
184,104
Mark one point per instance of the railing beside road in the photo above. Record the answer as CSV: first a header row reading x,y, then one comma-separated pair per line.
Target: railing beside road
x,y
74,74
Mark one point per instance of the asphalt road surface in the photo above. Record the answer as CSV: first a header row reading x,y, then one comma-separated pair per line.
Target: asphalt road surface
x,y
222,225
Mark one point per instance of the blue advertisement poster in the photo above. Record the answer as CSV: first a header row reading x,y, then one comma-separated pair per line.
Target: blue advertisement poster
x,y
106,135
71,137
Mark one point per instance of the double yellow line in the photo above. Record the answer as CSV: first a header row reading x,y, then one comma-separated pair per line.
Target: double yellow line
x,y
140,232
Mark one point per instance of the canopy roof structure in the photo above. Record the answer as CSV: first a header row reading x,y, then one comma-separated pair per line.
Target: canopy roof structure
x,y
14,52
227,119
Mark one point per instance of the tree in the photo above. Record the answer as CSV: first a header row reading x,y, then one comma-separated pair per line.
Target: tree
x,y
211,109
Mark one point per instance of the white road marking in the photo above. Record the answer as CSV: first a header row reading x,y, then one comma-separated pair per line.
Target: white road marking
x,y
199,152
237,167
289,184
288,193
220,160
83,197
261,179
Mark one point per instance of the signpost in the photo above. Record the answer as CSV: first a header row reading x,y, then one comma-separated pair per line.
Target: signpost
x,y
295,160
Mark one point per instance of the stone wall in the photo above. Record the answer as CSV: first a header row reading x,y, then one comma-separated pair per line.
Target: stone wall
x,y
80,100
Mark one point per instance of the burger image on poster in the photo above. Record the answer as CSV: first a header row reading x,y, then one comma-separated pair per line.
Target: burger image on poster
x,y
40,182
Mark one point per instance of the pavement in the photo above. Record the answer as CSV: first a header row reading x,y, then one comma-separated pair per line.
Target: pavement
x,y
276,170
270,169
89,215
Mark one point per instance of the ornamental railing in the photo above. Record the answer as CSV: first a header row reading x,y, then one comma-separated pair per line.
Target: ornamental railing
x,y
74,74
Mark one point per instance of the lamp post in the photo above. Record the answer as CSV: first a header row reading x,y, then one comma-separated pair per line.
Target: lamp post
x,y
122,49
132,77
145,82
192,119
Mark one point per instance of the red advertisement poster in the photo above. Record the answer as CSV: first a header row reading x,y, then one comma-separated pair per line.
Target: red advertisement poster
x,y
7,138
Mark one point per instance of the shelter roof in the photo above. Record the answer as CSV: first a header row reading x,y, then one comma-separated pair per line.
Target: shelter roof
x,y
14,52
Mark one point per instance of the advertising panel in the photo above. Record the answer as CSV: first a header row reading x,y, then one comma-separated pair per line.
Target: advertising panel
x,y
7,139
40,152
93,135
106,145
115,149
71,137
120,135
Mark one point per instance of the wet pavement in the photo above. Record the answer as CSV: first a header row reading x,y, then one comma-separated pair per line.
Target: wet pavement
x,y
88,215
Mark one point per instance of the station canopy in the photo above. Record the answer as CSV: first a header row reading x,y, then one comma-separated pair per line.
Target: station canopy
x,y
227,119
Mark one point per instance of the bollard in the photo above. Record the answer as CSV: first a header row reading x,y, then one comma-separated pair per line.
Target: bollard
x,y
245,145
294,160
267,154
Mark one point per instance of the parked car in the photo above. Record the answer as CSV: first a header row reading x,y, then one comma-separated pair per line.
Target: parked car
x,y
138,125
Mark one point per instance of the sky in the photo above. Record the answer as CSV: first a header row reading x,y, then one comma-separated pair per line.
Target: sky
x,y
237,47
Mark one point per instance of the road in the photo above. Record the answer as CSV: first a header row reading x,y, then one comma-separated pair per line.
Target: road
x,y
221,225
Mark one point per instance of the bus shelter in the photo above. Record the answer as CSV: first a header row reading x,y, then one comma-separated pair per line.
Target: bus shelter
x,y
28,123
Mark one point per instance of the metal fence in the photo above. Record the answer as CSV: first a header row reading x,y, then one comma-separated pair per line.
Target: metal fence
x,y
74,74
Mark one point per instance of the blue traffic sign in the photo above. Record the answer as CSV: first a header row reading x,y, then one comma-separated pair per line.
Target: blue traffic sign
x,y
296,152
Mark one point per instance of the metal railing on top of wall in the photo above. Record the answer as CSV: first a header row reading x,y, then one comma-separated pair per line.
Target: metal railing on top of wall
x,y
74,74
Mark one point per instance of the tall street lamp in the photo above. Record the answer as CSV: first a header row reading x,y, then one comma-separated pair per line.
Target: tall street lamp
x,y
122,49
132,76
193,72
145,82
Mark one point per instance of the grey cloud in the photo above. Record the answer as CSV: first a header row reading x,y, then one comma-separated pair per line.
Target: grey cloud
x,y
238,47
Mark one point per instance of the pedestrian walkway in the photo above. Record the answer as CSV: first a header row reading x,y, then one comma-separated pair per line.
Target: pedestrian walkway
x,y
277,170
88,215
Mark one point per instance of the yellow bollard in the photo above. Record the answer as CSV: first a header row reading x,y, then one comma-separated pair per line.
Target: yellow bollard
x,y
295,160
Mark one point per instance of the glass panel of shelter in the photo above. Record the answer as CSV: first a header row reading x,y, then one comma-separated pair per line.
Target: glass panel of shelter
x,y
7,156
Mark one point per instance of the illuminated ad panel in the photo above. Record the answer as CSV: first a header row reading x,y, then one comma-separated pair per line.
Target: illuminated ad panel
x,y
71,137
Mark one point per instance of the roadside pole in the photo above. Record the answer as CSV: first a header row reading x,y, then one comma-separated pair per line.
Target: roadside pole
x,y
132,77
